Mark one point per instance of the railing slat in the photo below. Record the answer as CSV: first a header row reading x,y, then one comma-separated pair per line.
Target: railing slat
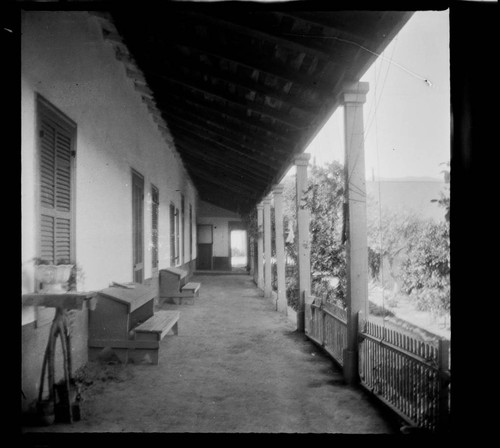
x,y
404,371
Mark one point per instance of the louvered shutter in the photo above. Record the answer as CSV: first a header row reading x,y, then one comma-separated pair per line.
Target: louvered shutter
x,y
154,230
56,146
177,238
183,227
172,235
138,226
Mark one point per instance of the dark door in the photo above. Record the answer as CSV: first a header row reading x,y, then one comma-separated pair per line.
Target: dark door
x,y
205,244
138,226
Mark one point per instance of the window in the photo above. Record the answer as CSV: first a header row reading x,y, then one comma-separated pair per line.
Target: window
x,y
138,226
177,239
155,198
183,229
172,234
190,232
56,141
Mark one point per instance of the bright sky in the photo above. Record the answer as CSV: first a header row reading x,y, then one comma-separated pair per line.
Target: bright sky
x,y
407,122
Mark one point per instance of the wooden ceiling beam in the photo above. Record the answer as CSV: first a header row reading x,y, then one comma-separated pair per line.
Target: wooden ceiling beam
x,y
234,100
165,97
175,37
222,181
261,34
240,126
198,69
203,139
223,162
193,127
226,176
209,164
220,196
332,31
225,130
195,140
278,70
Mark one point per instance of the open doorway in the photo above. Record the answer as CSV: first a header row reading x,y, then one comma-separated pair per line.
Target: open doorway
x,y
239,249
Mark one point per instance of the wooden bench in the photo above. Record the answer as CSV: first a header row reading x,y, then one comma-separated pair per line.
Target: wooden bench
x,y
156,327
154,330
192,288
174,287
124,326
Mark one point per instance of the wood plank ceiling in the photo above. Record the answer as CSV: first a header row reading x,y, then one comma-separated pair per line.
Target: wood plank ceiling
x,y
245,90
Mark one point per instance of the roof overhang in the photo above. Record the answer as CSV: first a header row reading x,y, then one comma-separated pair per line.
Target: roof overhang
x,y
243,91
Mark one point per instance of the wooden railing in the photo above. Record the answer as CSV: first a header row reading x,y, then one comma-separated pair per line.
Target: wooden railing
x,y
409,375
326,324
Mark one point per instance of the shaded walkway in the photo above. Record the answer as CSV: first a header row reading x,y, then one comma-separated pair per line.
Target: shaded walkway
x,y
236,366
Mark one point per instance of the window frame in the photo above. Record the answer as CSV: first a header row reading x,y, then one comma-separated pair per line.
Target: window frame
x,y
45,109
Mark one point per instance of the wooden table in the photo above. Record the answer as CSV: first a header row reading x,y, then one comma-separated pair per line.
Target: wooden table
x,y
62,303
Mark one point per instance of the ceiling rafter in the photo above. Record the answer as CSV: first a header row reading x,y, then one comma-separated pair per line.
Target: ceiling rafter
x,y
222,181
241,127
263,35
219,195
335,23
227,129
280,70
216,134
205,165
198,69
218,143
161,98
193,139
332,31
223,162
234,100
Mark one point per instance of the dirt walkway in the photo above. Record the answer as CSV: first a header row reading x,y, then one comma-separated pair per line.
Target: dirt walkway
x,y
236,366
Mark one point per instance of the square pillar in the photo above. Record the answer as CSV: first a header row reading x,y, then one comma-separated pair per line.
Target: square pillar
x,y
303,240
251,256
260,246
281,303
267,248
353,98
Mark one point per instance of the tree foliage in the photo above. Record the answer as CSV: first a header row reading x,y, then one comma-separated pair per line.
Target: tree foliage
x,y
323,198
420,246
422,249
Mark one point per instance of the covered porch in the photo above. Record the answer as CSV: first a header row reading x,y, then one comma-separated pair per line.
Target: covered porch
x,y
235,366
236,98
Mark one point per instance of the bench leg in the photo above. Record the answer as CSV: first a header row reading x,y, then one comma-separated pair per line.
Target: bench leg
x,y
144,356
175,328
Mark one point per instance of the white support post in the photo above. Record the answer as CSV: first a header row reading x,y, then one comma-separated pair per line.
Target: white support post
x,y
251,256
260,246
267,248
281,303
303,244
353,98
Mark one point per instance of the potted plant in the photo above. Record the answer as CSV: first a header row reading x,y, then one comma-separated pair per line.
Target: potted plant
x,y
53,277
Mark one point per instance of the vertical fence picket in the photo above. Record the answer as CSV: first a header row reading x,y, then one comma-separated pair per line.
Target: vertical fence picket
x,y
408,373
443,357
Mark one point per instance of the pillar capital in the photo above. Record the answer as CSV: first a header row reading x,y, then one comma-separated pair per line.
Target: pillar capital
x,y
354,92
267,200
302,159
278,189
260,206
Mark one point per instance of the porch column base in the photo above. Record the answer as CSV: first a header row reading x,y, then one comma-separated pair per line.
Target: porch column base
x,y
350,368
281,305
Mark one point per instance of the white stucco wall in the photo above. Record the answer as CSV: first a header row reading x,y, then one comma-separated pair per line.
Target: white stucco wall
x,y
219,218
65,59
220,246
